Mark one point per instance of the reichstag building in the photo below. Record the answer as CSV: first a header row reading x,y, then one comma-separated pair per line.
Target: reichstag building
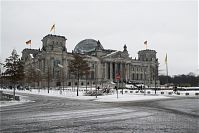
x,y
52,61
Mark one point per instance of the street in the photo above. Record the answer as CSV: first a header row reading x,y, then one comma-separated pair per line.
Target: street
x,y
52,114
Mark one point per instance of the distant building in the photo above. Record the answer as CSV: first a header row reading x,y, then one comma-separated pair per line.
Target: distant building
x,y
104,63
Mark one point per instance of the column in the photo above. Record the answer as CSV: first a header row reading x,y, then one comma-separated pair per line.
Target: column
x,y
111,71
106,70
115,69
129,74
96,70
121,72
126,72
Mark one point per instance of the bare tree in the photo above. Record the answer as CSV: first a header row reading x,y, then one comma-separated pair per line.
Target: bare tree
x,y
32,76
78,67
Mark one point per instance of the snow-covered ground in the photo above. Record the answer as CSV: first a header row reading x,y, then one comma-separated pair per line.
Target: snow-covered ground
x,y
13,102
128,95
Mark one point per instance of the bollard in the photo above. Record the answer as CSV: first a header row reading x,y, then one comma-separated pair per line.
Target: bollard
x,y
186,94
141,91
17,98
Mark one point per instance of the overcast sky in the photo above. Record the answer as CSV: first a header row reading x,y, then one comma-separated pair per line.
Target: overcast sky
x,y
169,26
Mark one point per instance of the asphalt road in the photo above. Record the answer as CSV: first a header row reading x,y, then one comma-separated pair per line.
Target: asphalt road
x,y
52,114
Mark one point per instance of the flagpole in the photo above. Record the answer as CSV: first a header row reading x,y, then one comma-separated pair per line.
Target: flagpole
x,y
145,43
54,30
167,73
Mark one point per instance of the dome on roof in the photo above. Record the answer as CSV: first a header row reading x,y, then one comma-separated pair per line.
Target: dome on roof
x,y
87,45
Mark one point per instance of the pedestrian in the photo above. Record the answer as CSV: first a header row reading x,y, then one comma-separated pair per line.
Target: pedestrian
x,y
175,89
116,87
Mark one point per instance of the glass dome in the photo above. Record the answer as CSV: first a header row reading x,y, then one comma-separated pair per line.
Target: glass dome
x,y
87,45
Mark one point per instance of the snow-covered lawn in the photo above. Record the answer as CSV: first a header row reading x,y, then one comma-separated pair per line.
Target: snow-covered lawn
x,y
128,95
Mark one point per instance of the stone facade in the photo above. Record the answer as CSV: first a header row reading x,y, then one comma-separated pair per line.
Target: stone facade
x,y
52,61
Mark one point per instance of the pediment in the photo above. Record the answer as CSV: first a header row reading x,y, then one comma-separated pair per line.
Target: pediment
x,y
116,55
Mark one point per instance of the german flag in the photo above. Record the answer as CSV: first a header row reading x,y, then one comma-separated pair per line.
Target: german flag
x,y
145,43
52,28
28,42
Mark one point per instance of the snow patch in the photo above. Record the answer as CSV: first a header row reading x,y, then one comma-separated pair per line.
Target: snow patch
x,y
13,102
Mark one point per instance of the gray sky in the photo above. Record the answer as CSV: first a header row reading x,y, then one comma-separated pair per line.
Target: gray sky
x,y
169,26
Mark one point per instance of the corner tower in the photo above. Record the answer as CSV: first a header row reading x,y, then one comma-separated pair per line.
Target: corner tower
x,y
54,43
147,55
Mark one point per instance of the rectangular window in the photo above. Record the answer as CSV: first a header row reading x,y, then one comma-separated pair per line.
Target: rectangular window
x,y
133,76
44,64
92,75
93,66
56,62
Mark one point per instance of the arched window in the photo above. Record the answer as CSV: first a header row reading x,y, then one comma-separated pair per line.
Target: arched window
x,y
92,75
56,62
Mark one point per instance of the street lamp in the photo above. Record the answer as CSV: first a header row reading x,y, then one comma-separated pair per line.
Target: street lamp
x,y
87,73
117,77
62,67
96,87
39,78
144,81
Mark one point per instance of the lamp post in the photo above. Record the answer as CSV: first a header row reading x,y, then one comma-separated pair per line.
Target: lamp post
x,y
1,77
39,78
48,78
96,87
144,81
155,77
117,78
87,73
62,73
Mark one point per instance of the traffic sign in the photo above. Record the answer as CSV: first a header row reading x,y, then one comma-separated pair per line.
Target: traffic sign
x,y
117,76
